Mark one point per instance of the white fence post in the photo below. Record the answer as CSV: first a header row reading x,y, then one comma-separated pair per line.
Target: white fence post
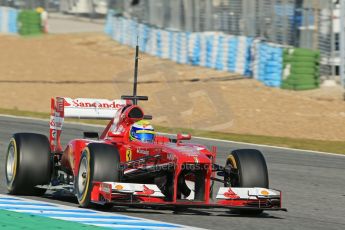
x,y
342,42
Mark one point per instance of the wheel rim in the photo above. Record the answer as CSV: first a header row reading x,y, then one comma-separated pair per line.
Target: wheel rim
x,y
233,180
11,163
82,175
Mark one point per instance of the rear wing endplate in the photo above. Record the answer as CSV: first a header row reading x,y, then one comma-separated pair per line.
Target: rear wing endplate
x,y
81,108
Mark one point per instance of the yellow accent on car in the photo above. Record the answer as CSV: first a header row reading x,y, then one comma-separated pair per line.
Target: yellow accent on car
x,y
87,176
14,144
146,131
143,122
232,160
118,187
264,192
128,155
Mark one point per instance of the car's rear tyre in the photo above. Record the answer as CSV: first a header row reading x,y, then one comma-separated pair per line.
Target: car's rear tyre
x,y
28,164
251,171
98,162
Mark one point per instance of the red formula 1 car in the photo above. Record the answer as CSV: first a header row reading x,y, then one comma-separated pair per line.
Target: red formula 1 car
x,y
130,165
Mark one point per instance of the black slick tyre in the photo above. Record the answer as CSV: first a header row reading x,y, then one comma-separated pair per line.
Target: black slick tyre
x,y
28,164
251,169
98,162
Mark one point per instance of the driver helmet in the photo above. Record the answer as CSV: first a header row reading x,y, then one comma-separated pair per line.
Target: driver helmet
x,y
142,131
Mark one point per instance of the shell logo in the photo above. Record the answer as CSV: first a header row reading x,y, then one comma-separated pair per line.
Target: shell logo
x,y
118,187
264,192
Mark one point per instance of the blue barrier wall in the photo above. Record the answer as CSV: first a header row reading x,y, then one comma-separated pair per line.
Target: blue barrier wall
x,y
268,63
8,20
238,54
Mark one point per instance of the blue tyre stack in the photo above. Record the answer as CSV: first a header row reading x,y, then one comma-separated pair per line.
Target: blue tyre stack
x,y
8,20
268,65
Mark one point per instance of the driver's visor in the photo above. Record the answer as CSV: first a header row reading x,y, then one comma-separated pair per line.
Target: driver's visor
x,y
145,137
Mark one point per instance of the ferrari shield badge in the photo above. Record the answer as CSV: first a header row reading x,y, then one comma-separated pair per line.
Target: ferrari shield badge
x,y
128,155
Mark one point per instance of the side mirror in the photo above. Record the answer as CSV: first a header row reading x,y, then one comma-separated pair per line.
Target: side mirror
x,y
181,137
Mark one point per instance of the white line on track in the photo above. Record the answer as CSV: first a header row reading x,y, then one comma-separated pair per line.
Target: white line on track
x,y
84,216
273,147
128,227
72,218
201,138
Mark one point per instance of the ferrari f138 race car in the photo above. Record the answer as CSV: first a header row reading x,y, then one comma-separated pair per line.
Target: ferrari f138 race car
x,y
131,165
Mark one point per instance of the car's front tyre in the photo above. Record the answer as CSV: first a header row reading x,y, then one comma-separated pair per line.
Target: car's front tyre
x,y
250,170
98,162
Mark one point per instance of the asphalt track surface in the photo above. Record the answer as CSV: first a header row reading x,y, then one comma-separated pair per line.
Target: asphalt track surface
x,y
313,185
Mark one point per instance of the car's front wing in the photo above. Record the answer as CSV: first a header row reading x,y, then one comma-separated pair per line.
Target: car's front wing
x,y
149,195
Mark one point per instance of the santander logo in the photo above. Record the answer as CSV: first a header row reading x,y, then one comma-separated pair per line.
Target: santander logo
x,y
92,104
66,104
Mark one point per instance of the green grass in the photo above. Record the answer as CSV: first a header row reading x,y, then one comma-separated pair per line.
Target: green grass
x,y
17,112
306,144
15,220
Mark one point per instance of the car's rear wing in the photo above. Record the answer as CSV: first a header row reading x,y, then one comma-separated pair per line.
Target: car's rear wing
x,y
82,108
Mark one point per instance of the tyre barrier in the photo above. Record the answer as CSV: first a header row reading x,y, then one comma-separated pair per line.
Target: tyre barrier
x,y
268,63
273,64
8,20
301,69
26,22
209,49
29,23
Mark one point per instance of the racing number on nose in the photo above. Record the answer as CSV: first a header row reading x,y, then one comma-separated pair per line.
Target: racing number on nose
x,y
128,155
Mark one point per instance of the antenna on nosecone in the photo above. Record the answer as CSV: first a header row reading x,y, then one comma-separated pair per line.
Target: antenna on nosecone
x,y
135,98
